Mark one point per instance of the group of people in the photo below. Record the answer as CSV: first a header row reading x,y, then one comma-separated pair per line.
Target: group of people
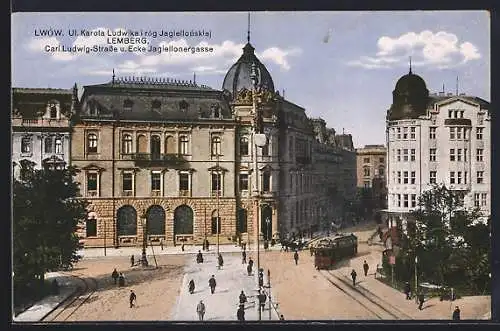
x,y
118,277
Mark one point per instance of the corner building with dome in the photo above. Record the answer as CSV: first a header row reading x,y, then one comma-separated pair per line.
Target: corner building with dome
x,y
438,138
171,161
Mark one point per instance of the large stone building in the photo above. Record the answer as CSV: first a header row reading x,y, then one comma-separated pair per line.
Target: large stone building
x,y
436,139
177,161
40,126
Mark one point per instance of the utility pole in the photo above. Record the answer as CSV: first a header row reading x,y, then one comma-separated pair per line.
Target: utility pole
x,y
416,277
269,294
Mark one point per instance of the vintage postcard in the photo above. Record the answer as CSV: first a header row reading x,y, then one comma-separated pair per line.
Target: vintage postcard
x,y
251,166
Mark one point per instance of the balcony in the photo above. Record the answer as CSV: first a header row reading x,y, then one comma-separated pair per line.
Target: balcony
x,y
152,160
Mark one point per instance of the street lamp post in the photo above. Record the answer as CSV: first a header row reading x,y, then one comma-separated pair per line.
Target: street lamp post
x,y
217,196
416,277
144,260
268,222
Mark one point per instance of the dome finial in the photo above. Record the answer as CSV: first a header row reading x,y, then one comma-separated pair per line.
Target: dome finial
x,y
410,65
248,30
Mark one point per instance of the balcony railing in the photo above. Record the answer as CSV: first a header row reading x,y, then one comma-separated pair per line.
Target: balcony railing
x,y
148,159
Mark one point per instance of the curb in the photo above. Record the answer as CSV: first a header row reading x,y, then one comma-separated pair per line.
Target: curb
x,y
70,294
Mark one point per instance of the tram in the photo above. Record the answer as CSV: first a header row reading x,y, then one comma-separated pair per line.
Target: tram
x,y
329,251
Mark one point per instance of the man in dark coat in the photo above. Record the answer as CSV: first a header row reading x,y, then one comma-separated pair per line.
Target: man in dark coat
x,y
220,260
353,276
240,314
261,278
243,257
407,291
212,283
456,314
243,298
365,268
421,299
249,269
262,300
296,257
114,275
191,286
132,261
207,245
199,257
132,298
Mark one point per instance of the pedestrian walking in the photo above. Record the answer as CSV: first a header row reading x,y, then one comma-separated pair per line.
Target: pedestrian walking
x,y
353,276
182,247
200,310
261,278
296,257
207,244
243,298
132,261
250,262
191,286
199,257
421,299
456,314
115,275
243,257
212,283
121,280
282,318
161,244
240,314
407,291
132,298
249,269
221,260
262,300
365,268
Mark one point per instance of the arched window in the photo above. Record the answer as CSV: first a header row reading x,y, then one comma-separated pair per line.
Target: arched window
x,y
183,220
155,147
183,145
126,221
142,146
244,146
169,145
216,146
58,145
127,144
127,105
92,143
216,224
48,145
155,220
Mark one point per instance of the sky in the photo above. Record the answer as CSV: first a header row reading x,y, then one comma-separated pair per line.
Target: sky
x,y
340,66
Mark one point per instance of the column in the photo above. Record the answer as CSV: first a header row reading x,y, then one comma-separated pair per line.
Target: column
x,y
274,221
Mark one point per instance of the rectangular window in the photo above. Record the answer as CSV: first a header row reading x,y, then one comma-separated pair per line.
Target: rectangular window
x,y
399,177
399,200
399,155
405,155
92,143
405,133
413,200
479,133
432,177
243,182
266,181
459,177
405,177
450,113
366,160
479,177
412,178
459,154
459,133
476,199
399,133
412,132
91,182
91,227
465,154
381,160
405,200
452,177
366,184
156,181
432,154
127,182
265,149
412,154
183,182
452,133
183,145
26,145
479,155
484,201
216,182
432,133
452,154
465,177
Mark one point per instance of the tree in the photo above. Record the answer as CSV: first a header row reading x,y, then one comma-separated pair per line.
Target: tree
x,y
448,239
46,213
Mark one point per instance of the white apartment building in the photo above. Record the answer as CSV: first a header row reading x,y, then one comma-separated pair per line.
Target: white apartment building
x,y
436,139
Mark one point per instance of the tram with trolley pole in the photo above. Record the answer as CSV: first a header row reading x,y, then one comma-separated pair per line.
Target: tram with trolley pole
x,y
328,251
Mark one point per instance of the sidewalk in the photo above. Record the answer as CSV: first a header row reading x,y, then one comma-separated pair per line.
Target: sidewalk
x,y
67,287
223,304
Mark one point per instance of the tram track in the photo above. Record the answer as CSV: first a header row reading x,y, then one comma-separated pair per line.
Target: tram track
x,y
83,294
368,301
